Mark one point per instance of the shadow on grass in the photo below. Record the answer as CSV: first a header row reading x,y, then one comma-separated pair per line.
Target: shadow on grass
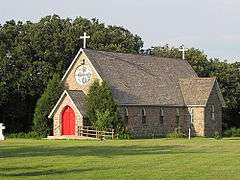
x,y
101,151
35,172
77,151
233,138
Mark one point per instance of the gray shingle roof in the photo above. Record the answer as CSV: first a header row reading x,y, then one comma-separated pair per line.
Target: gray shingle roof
x,y
141,79
196,91
78,99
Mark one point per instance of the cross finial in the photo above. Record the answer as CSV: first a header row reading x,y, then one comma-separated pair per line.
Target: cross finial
x,y
84,37
183,50
2,127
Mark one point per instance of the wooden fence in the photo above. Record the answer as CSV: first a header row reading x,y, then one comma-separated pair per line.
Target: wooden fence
x,y
89,131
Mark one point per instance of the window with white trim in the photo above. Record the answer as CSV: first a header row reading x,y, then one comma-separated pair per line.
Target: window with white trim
x,y
126,116
143,115
212,112
177,117
192,115
161,116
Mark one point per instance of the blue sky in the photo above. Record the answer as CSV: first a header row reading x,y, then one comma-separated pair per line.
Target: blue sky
x,y
211,25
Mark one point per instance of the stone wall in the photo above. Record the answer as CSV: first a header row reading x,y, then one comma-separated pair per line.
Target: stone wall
x,y
153,126
213,125
57,118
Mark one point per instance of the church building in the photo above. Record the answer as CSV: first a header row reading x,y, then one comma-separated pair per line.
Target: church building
x,y
154,95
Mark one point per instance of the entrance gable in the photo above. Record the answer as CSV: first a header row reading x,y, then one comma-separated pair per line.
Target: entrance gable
x,y
80,74
57,113
64,100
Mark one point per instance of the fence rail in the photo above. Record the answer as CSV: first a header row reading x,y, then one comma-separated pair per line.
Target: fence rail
x,y
89,131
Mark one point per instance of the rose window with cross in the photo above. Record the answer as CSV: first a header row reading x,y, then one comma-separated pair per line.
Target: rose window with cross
x,y
83,74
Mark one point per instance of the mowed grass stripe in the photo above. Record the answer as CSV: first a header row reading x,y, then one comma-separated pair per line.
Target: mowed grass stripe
x,y
199,158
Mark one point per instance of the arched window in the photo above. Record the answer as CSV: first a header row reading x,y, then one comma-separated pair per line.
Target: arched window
x,y
126,116
177,117
212,112
161,116
143,115
191,115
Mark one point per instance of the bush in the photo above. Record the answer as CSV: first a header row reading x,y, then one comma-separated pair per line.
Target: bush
x,y
30,135
104,120
101,110
176,134
42,124
124,134
233,132
217,135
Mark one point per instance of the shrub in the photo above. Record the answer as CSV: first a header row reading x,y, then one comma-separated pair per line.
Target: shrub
x,y
100,107
124,134
233,132
176,134
42,124
29,135
104,119
217,135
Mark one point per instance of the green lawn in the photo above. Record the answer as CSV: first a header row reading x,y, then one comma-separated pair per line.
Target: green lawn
x,y
200,158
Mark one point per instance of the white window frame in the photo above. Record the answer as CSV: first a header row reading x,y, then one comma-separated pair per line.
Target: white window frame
x,y
177,116
177,112
161,112
126,115
143,115
126,112
161,115
212,112
192,115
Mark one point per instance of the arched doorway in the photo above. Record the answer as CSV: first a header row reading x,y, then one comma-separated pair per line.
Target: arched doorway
x,y
68,121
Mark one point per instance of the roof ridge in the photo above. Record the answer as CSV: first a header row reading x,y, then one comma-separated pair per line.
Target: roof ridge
x,y
73,90
200,78
135,54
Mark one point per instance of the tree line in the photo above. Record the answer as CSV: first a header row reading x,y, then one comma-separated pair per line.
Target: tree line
x,y
32,53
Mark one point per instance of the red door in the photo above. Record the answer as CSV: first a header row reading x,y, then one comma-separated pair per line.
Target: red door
x,y
68,121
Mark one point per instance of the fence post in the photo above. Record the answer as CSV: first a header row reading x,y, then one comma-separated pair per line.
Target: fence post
x,y
87,131
112,133
103,135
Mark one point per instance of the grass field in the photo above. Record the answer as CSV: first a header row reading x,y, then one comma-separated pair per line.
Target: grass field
x,y
200,158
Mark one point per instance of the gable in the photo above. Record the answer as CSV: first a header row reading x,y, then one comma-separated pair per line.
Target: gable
x,y
197,91
69,80
216,96
72,99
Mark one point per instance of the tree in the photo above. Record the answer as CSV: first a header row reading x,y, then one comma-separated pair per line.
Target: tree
x,y
228,76
196,58
104,119
100,107
30,53
42,124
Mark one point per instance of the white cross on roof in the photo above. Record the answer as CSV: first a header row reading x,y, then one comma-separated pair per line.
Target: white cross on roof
x,y
84,37
183,50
